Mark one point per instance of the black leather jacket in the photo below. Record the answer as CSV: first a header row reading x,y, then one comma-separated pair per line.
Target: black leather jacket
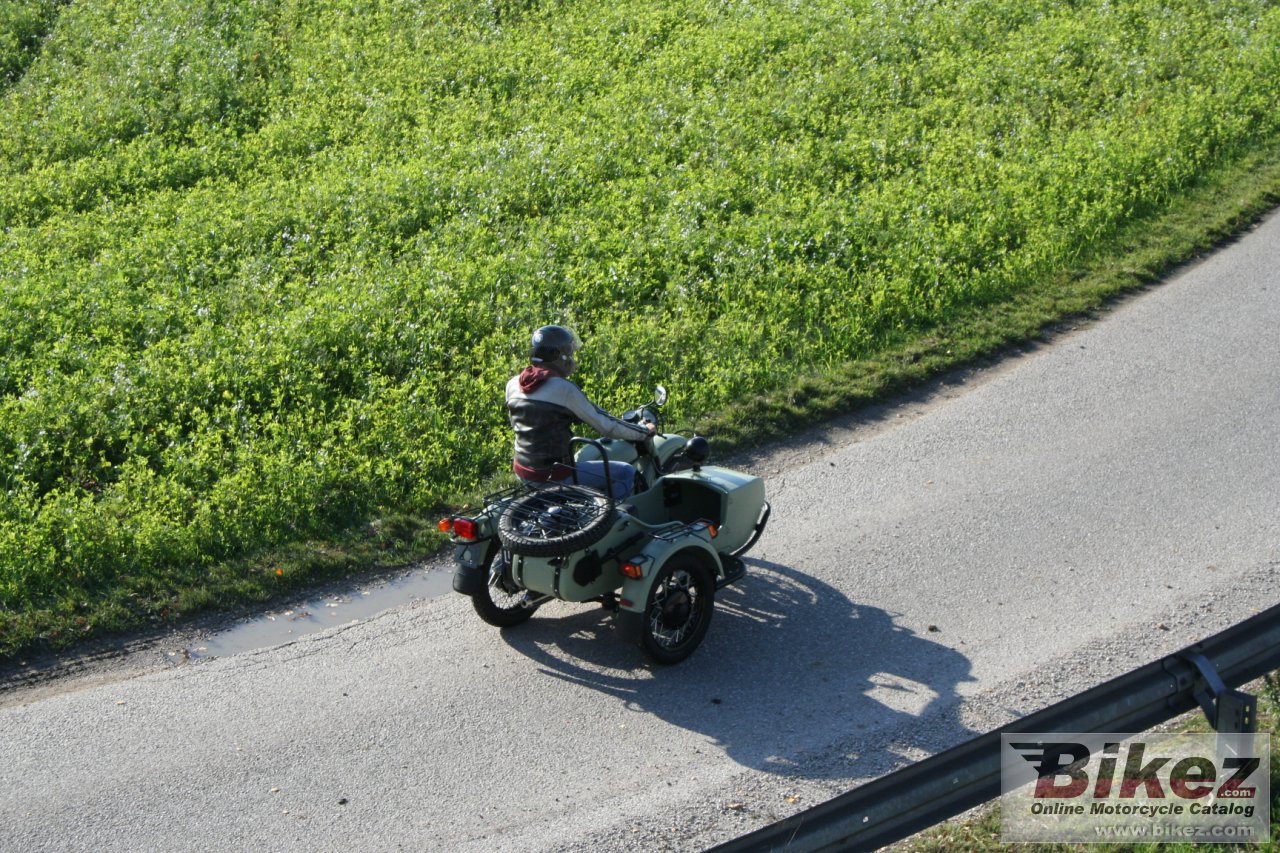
x,y
543,407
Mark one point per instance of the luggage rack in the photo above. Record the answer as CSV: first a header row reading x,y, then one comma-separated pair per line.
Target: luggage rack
x,y
522,489
679,530
504,495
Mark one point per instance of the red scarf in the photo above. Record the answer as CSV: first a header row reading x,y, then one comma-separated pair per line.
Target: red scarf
x,y
533,376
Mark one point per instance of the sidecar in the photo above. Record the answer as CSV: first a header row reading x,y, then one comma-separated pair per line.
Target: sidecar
x,y
655,559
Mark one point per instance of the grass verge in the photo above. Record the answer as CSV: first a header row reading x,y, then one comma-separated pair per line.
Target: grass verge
x,y
1212,213
266,576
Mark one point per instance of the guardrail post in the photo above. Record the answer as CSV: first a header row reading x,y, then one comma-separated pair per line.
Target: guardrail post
x,y
1229,711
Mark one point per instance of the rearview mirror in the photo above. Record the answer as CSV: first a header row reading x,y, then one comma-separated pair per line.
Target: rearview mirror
x,y
661,396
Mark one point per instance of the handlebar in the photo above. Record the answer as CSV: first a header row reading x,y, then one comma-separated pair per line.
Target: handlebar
x,y
651,412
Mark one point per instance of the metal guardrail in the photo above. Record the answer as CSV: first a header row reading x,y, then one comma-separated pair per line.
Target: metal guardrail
x,y
906,801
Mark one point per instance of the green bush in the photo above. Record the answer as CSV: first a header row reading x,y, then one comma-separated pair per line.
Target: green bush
x,y
23,24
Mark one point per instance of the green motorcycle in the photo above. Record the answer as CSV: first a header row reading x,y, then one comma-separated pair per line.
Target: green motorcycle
x,y
655,558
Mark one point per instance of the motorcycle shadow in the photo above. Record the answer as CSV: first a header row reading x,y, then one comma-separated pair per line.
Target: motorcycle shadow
x,y
793,677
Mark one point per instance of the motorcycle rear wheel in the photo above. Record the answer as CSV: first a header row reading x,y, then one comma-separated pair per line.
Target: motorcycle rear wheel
x,y
497,604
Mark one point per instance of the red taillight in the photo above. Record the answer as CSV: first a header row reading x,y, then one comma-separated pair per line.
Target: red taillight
x,y
464,528
446,525
632,571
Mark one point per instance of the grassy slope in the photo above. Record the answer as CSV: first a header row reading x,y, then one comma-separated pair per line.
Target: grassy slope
x,y
265,263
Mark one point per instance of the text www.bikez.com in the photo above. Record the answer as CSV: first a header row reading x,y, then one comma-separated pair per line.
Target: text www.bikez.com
x,y
1166,832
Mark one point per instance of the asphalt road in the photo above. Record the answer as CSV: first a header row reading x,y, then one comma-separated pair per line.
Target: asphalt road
x,y
933,569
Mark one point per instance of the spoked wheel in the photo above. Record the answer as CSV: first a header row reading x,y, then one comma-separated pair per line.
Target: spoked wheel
x,y
554,520
678,612
499,603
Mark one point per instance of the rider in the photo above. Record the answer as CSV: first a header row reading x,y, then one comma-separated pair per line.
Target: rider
x,y
543,405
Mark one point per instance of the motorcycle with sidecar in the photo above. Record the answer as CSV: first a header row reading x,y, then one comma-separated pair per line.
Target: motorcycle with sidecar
x,y
654,558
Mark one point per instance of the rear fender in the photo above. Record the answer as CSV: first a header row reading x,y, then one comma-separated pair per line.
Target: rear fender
x,y
651,559
471,565
629,619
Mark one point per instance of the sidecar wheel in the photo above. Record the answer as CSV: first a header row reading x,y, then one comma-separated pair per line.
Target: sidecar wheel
x,y
554,520
498,601
678,612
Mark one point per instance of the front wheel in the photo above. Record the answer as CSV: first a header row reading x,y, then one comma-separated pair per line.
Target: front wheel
x,y
499,602
678,612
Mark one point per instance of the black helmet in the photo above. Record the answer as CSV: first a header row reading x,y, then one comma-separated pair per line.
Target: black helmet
x,y
554,345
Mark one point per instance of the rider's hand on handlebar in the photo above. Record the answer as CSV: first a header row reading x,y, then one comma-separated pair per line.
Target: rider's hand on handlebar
x,y
650,426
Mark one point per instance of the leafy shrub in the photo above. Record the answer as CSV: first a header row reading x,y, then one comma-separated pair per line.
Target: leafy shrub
x,y
23,23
